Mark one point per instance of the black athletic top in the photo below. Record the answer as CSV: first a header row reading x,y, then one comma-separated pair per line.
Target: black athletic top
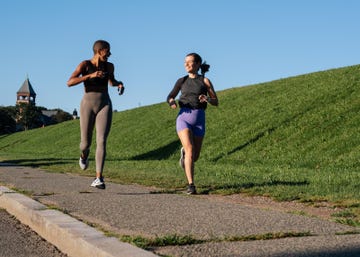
x,y
191,89
95,84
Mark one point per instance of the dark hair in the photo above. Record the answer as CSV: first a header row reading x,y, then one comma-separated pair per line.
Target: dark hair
x,y
204,67
99,45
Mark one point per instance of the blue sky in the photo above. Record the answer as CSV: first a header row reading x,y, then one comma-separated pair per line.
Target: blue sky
x,y
245,42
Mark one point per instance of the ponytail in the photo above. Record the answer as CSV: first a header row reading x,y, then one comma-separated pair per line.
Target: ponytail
x,y
204,67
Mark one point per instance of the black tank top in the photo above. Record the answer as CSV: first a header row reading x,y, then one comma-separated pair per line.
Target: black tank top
x,y
191,89
96,84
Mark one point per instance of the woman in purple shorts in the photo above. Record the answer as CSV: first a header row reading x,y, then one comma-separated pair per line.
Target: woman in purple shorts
x,y
196,92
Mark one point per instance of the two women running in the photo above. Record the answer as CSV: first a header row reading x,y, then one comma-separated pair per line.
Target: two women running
x,y
96,109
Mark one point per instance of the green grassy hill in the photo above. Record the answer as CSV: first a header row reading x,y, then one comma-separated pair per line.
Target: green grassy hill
x,y
293,138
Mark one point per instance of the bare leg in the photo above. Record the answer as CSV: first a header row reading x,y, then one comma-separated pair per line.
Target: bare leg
x,y
197,147
186,139
192,147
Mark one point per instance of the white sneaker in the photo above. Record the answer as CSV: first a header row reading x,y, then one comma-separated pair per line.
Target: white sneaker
x,y
182,158
84,164
98,183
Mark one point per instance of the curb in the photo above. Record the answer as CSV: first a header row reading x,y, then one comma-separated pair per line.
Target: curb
x,y
68,234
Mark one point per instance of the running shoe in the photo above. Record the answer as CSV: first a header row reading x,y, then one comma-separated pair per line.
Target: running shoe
x,y
191,190
182,158
98,183
83,163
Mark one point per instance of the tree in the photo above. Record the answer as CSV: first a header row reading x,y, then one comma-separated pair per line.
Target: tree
x,y
28,116
62,116
8,123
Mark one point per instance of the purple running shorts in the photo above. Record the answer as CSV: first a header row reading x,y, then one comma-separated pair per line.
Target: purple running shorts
x,y
193,119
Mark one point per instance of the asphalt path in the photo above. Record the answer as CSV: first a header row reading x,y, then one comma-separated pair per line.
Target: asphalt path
x,y
18,240
148,212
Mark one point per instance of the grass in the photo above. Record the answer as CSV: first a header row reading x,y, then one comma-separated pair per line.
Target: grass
x,y
167,240
290,139
147,243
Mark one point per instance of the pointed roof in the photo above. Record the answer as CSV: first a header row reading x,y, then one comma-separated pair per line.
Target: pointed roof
x,y
26,88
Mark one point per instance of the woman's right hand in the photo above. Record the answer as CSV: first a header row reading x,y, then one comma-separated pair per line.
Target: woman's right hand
x,y
172,103
98,74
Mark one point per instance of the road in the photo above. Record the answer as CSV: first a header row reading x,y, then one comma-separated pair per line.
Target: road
x,y
18,240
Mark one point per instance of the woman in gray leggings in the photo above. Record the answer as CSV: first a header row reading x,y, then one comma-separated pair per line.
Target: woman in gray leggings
x,y
95,107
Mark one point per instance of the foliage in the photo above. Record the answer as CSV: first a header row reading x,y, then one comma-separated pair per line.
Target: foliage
x,y
62,116
8,124
28,116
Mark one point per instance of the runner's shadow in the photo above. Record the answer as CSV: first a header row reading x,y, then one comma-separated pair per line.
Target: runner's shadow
x,y
160,153
238,186
146,193
348,252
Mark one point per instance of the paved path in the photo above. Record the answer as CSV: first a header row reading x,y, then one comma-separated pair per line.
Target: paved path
x,y
141,211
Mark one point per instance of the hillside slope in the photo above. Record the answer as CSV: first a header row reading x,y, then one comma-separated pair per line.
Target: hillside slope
x,y
306,121
299,132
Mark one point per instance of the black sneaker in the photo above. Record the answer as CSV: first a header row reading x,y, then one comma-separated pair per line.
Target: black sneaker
x,y
191,190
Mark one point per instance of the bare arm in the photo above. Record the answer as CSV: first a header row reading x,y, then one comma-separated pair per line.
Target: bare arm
x,y
112,80
76,77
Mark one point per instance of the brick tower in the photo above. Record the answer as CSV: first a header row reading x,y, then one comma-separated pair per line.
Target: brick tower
x,y
26,93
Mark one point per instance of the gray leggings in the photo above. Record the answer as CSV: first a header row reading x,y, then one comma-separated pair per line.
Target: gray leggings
x,y
95,109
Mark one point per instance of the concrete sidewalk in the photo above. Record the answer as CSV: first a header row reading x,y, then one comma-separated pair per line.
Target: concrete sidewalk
x,y
140,211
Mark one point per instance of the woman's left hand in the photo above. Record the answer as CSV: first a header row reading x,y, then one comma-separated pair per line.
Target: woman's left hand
x,y
203,98
121,88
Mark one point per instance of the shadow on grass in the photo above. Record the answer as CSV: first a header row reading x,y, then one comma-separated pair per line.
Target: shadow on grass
x,y
240,147
35,163
237,187
160,153
231,188
264,133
